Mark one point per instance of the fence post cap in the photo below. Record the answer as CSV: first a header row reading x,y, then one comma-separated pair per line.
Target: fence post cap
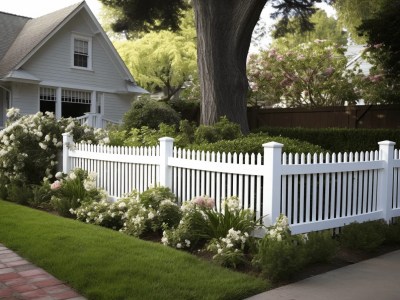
x,y
273,145
384,143
166,139
66,134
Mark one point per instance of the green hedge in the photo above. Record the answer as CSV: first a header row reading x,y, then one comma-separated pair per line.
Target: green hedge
x,y
338,139
253,144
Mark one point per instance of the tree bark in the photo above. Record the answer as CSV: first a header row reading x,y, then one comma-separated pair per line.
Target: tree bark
x,y
224,29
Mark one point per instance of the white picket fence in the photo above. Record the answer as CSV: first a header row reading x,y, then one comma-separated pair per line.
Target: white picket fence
x,y
316,192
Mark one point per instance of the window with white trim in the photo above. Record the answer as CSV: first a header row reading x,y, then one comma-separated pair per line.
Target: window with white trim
x,y
76,96
82,52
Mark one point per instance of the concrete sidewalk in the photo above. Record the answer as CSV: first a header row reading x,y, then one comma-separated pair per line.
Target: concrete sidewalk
x,y
374,279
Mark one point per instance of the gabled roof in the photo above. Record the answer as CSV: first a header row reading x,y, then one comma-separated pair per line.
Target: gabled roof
x,y
11,26
31,35
22,37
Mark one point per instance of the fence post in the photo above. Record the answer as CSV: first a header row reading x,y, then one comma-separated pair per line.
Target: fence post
x,y
166,150
68,140
272,182
385,184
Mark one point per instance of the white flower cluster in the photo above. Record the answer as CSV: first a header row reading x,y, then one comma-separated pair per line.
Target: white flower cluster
x,y
281,229
28,134
232,204
234,240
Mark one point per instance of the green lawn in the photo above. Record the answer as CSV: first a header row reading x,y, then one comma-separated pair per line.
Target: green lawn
x,y
104,264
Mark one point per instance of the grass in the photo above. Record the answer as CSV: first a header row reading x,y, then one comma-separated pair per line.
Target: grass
x,y
104,264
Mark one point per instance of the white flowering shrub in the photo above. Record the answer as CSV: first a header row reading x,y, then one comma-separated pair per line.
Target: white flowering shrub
x,y
280,254
29,146
230,250
201,224
155,209
72,190
133,214
104,213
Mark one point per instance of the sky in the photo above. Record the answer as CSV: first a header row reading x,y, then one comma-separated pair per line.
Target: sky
x,y
37,8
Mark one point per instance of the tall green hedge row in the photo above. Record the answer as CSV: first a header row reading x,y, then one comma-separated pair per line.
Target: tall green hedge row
x,y
338,139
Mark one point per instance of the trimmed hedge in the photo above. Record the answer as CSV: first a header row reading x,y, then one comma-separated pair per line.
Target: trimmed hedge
x,y
253,144
338,139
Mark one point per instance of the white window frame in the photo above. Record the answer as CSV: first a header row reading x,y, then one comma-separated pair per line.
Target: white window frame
x,y
87,39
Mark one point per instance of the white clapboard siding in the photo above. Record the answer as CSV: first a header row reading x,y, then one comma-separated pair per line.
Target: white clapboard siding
x,y
315,191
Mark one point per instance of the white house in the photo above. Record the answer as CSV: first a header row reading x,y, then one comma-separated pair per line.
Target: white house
x,y
63,62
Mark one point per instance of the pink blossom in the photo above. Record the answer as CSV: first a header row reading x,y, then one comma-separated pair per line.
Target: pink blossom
x,y
55,185
204,201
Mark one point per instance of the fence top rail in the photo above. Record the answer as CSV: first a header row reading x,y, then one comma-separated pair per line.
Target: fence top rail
x,y
124,150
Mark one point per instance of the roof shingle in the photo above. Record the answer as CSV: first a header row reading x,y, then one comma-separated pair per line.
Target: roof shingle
x,y
31,32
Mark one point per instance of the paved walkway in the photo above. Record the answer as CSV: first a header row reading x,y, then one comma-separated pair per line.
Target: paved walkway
x,y
374,279
19,279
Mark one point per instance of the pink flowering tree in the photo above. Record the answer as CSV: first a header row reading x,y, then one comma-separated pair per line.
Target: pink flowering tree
x,y
310,74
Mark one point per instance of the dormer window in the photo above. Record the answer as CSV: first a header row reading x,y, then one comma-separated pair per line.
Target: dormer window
x,y
82,52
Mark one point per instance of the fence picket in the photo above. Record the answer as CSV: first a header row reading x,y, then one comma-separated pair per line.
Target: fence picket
x,y
316,191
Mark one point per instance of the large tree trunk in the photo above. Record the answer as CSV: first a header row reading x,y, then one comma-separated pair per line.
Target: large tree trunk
x,y
224,29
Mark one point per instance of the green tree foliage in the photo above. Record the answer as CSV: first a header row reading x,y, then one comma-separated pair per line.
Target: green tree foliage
x,y
224,30
325,28
310,74
162,60
351,13
383,34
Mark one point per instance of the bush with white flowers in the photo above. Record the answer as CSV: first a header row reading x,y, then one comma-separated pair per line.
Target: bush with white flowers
x,y
29,146
226,233
281,254
134,214
72,190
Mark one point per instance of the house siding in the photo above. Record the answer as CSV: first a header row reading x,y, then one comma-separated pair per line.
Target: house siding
x,y
25,97
53,62
115,106
52,65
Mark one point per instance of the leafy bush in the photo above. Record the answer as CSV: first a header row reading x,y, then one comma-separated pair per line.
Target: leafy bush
x,y
393,232
72,190
226,234
320,247
189,109
133,214
222,130
150,113
253,144
30,144
280,255
338,139
367,236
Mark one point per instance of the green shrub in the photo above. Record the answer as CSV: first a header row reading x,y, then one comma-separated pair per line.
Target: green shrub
x,y
19,192
41,197
73,190
226,233
338,139
222,130
253,144
188,109
367,236
152,197
320,247
393,232
280,255
206,134
150,113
